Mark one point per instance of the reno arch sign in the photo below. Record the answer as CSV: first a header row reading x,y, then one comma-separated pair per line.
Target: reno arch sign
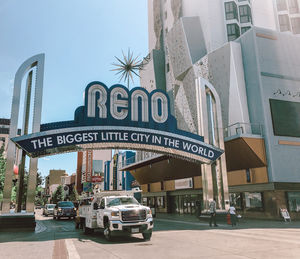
x,y
118,118
119,103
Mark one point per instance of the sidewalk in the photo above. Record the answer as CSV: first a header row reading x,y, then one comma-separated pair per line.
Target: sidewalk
x,y
242,223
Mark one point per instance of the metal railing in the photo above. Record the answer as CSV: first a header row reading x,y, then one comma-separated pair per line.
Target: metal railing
x,y
243,128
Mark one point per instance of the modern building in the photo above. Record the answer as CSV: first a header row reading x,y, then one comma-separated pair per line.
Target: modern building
x,y
288,16
116,179
107,173
241,92
90,169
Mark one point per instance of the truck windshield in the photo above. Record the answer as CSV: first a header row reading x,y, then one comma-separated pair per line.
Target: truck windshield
x,y
50,206
65,204
121,201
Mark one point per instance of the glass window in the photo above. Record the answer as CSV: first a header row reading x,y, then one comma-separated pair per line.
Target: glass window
x,y
281,5
285,118
237,200
231,11
253,200
160,201
284,22
233,31
121,201
295,25
248,176
294,201
293,6
64,204
244,29
245,14
102,203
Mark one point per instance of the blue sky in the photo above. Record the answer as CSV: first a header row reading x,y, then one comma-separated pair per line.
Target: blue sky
x,y
80,39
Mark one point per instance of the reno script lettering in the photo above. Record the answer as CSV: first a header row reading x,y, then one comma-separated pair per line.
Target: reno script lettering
x,y
155,105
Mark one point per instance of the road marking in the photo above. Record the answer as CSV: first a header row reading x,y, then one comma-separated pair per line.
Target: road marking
x,y
71,249
40,227
60,250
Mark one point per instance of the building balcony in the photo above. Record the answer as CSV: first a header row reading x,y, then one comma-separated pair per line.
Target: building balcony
x,y
244,146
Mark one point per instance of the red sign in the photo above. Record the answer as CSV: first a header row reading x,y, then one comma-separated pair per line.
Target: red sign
x,y
89,165
96,179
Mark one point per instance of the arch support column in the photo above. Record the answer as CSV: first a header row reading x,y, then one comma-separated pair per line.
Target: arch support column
x,y
214,176
37,62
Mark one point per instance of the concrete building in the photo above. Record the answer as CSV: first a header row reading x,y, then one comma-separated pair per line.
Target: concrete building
x,y
53,180
4,135
68,183
255,78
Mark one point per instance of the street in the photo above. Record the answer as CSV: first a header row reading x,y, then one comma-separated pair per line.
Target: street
x,y
172,238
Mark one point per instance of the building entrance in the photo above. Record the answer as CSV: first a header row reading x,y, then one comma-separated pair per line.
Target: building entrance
x,y
185,204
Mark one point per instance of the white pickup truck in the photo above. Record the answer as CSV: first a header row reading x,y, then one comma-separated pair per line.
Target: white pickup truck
x,y
114,212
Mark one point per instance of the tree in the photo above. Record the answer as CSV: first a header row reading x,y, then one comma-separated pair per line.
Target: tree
x,y
127,67
58,195
74,196
2,171
39,179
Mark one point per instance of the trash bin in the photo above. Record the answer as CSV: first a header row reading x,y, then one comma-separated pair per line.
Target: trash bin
x,y
228,219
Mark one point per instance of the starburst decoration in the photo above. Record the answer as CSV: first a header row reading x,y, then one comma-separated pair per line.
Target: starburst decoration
x,y
127,67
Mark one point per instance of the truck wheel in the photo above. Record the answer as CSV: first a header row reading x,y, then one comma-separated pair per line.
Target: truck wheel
x,y
77,225
107,232
87,230
54,217
147,235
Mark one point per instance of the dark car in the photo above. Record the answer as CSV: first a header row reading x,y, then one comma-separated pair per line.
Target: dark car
x,y
64,209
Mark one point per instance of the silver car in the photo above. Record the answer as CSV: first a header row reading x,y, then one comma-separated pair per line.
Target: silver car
x,y
48,210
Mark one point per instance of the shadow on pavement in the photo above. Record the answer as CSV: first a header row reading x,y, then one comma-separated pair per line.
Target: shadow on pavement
x,y
49,229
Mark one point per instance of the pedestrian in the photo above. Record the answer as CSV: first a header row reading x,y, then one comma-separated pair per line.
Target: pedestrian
x,y
212,211
232,214
198,208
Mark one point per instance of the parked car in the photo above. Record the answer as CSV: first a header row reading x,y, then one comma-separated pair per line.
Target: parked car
x,y
64,209
48,209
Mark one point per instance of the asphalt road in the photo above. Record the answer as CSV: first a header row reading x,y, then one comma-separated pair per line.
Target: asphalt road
x,y
172,238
